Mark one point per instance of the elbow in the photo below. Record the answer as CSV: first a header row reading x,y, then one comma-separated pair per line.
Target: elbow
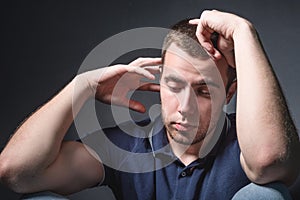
x,y
256,168
9,177
269,167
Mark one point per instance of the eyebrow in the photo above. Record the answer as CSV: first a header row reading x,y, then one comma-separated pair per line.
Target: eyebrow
x,y
206,83
175,79
199,83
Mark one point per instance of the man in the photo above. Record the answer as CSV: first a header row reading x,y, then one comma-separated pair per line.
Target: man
x,y
199,153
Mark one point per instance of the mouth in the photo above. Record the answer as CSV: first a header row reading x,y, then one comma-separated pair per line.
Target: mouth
x,y
184,127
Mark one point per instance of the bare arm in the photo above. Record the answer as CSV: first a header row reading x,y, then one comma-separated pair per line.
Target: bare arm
x,y
266,133
37,159
35,155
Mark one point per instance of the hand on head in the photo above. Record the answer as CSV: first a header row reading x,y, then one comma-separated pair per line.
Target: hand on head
x,y
111,85
225,24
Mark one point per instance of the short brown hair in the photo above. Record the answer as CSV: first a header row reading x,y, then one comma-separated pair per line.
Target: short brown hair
x,y
183,34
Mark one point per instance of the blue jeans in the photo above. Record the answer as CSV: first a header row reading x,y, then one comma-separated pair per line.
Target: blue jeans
x,y
43,196
272,191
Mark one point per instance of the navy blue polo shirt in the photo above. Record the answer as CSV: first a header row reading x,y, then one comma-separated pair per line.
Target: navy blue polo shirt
x,y
217,176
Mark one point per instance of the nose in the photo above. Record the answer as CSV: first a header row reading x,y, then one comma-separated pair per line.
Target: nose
x,y
187,102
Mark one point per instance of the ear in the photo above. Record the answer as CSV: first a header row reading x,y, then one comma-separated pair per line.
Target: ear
x,y
231,91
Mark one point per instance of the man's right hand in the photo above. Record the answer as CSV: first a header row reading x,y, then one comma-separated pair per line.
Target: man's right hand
x,y
111,85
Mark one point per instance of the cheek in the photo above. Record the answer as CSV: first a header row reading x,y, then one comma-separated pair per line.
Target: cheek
x,y
204,108
169,101
211,109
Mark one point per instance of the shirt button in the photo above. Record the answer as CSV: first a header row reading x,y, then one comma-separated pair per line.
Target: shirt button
x,y
183,174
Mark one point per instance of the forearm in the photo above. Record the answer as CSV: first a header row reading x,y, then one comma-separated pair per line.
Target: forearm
x,y
266,133
36,143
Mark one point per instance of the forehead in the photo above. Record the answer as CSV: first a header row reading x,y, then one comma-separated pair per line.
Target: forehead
x,y
181,64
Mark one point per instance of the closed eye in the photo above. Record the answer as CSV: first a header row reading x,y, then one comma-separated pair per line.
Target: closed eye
x,y
174,87
203,92
174,84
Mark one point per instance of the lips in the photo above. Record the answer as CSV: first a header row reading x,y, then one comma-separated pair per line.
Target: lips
x,y
184,126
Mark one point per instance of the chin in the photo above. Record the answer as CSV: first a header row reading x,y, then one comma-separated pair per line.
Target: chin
x,y
181,138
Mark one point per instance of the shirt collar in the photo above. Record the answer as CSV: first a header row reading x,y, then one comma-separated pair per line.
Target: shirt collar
x,y
158,139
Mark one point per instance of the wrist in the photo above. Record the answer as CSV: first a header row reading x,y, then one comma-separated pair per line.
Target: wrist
x,y
244,28
82,87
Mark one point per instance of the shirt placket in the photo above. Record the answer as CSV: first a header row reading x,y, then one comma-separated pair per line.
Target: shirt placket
x,y
183,176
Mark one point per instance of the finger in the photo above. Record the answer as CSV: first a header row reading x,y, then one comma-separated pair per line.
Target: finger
x,y
216,55
129,103
147,72
141,62
204,34
136,106
153,87
153,69
204,38
194,21
142,72
227,49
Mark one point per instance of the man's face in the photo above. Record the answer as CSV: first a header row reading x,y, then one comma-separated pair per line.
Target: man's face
x,y
192,95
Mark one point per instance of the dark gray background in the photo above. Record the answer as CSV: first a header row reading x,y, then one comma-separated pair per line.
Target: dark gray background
x,y
43,44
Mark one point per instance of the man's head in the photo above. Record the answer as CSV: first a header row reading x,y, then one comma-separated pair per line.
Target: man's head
x,y
183,35
194,88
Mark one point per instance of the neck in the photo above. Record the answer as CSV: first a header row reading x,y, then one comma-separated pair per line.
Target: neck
x,y
186,153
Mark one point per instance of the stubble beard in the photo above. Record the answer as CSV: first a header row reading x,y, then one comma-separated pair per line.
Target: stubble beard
x,y
186,138
180,137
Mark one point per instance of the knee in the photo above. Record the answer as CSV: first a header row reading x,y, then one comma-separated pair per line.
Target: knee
x,y
43,196
274,191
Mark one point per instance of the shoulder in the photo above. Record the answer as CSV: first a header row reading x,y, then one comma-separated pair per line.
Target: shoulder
x,y
129,136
